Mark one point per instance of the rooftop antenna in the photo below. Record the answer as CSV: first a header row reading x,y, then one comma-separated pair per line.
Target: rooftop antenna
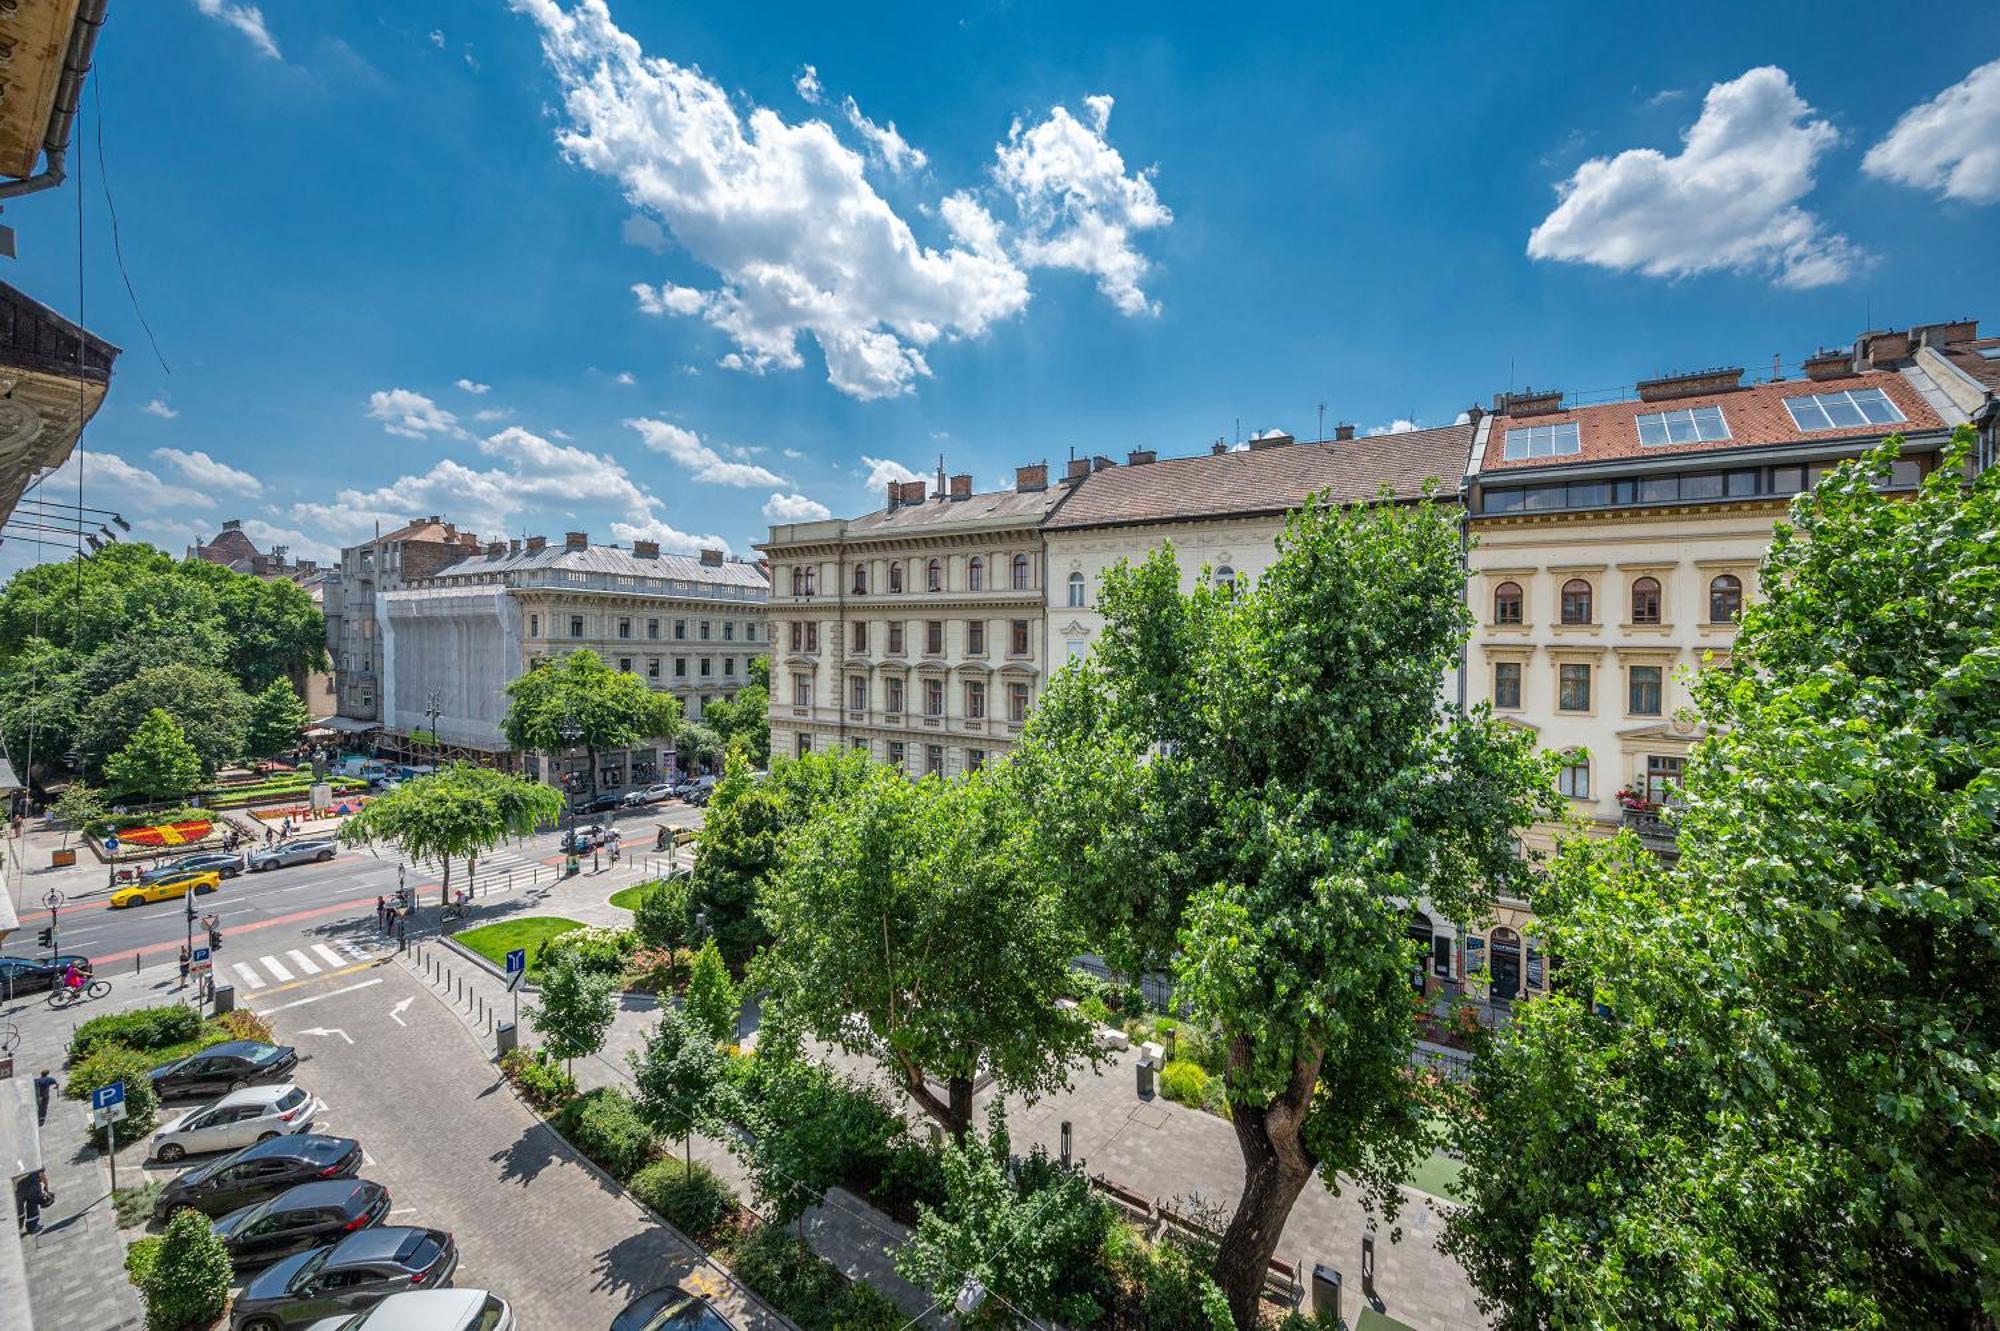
x,y
1322,420
940,488
1777,368
1239,429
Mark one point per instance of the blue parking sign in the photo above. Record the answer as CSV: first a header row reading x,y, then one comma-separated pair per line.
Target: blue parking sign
x,y
517,961
111,843
106,1096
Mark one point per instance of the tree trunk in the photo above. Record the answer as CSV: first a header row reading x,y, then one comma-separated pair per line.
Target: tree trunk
x,y
1276,1168
444,889
954,1113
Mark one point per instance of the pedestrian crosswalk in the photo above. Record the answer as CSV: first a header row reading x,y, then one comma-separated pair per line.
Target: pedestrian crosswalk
x,y
298,963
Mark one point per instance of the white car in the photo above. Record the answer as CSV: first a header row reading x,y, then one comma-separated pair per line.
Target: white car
x,y
429,1310
240,1118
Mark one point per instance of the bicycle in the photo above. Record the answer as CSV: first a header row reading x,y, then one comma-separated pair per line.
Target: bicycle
x,y
63,996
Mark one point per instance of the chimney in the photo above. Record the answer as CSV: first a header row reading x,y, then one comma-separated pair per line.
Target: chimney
x,y
495,549
1829,363
1218,448
451,531
434,519
1945,334
576,540
308,566
1695,383
1101,463
1078,469
233,524
1342,433
645,549
1474,414
913,492
711,558
895,494
1881,350
513,547
1139,457
1034,476
961,486
537,544
1528,402
1269,439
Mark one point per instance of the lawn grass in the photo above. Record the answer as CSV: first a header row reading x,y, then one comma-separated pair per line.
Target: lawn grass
x,y
1439,1176
495,941
628,897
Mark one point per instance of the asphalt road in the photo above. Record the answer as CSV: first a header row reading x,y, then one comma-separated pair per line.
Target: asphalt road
x,y
280,907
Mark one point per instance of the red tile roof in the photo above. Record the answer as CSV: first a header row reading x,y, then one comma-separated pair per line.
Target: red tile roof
x,y
1756,415
1966,356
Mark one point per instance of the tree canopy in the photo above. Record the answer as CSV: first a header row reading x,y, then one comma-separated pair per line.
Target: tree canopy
x,y
276,716
157,763
915,906
679,1079
212,712
580,701
458,812
744,719
1767,1093
1256,785
578,1005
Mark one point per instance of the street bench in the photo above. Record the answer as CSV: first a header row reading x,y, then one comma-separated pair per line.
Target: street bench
x,y
1281,1278
1136,1205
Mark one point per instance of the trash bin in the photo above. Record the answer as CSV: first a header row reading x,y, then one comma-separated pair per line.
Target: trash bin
x,y
225,998
1325,1292
1145,1080
505,1039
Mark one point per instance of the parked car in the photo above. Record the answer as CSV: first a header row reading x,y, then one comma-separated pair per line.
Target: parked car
x,y
429,1310
33,975
700,796
305,850
301,1218
597,804
656,793
583,840
221,862
168,888
670,1308
238,1119
257,1172
222,1067
359,1271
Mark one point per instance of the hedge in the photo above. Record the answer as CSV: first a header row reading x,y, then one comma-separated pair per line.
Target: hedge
x,y
188,1285
695,1201
605,1125
114,1062
141,1028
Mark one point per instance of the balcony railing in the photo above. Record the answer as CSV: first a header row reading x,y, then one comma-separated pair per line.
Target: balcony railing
x,y
1653,829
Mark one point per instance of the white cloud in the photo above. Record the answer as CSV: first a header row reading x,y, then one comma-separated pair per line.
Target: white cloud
x,y
667,298
671,538
111,482
624,378
437,38
159,407
205,471
1401,425
808,86
783,212
1728,201
246,19
1950,144
883,470
885,142
487,415
411,414
793,454
644,232
1079,209
298,543
702,462
795,508
476,389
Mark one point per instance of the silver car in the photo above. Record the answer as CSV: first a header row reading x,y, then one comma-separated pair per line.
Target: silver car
x,y
429,1310
253,1114
303,851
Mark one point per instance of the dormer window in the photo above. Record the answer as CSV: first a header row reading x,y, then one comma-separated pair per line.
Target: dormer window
x,y
1833,411
1543,441
1689,425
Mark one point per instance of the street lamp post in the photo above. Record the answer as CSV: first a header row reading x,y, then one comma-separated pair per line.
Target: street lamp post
x,y
569,732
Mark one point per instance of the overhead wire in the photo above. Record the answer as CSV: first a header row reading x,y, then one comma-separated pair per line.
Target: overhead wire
x,y
117,245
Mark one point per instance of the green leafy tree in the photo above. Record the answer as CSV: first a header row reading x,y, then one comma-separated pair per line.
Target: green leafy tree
x,y
680,1079
581,700
270,628
158,763
187,1288
699,746
213,713
42,702
744,719
277,715
662,916
576,1010
915,906
1254,785
78,805
457,812
759,671
1786,1110
712,1001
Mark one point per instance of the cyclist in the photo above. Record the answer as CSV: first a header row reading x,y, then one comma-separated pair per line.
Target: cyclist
x,y
72,978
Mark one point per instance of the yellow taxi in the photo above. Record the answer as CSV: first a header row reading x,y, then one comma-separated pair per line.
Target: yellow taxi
x,y
197,881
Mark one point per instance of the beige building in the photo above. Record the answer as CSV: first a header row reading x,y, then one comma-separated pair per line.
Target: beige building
x,y
916,631
1615,545
453,639
353,626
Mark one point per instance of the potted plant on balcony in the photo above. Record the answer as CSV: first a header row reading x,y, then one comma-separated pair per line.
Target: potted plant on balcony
x,y
1633,800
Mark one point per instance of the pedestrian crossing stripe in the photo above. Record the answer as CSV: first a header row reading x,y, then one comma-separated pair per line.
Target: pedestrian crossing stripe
x,y
281,971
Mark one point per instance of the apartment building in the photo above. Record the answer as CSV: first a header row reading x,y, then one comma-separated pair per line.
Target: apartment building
x,y
916,631
452,640
353,625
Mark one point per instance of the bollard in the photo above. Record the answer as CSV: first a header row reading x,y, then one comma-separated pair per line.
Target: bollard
x,y
1326,1293
1065,1143
1368,1262
1145,1080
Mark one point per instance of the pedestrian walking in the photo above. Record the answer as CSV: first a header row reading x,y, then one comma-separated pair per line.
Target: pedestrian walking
x,y
45,1086
184,968
402,932
288,828
381,916
401,870
269,836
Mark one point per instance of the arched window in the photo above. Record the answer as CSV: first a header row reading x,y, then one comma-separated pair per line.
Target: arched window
x,y
1576,602
975,576
812,580
1225,578
1076,589
1021,581
934,576
1646,601
895,577
1507,603
798,581
860,579
1725,599
1573,777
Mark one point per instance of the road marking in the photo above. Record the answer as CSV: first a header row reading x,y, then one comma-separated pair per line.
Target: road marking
x,y
333,959
396,1012
250,977
303,962
314,998
327,1030
276,967
357,907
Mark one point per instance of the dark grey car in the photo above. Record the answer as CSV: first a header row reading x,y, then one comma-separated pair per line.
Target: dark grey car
x,y
359,1271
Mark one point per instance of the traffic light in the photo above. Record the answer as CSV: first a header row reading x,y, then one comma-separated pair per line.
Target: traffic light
x,y
47,937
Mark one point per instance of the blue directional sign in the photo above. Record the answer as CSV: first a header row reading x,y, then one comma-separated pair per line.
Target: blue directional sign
x,y
517,961
111,843
106,1096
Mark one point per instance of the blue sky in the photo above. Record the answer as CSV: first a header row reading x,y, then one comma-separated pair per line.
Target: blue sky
x,y
540,268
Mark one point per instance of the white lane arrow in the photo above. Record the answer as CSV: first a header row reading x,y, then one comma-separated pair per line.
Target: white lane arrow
x,y
396,1012
327,1030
